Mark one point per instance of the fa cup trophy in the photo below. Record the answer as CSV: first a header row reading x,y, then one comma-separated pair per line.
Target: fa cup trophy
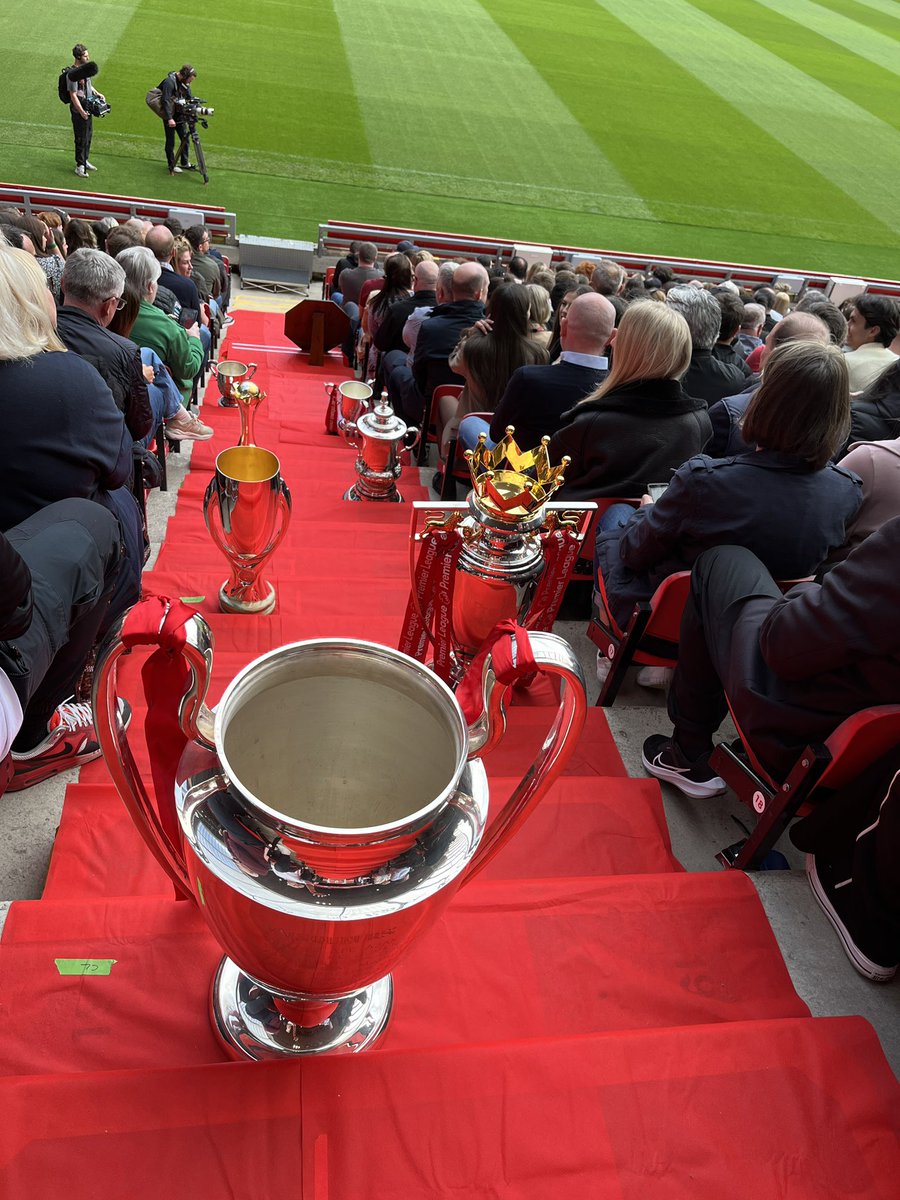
x,y
228,375
382,437
346,404
247,508
316,858
507,553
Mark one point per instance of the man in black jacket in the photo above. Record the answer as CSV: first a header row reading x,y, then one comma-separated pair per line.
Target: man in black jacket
x,y
410,390
58,567
390,332
707,378
174,88
793,667
92,287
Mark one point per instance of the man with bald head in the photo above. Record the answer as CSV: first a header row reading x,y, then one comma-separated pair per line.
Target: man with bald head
x,y
537,396
390,332
410,390
726,415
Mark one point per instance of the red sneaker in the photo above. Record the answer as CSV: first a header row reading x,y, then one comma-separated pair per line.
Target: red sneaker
x,y
71,741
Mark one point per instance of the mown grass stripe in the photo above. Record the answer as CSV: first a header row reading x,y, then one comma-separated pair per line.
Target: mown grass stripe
x,y
860,40
819,126
464,106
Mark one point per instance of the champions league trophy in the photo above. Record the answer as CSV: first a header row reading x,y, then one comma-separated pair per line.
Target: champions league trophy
x,y
316,858
382,438
346,404
507,553
247,508
228,375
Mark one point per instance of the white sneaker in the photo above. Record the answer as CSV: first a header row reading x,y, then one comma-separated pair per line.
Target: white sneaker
x,y
80,171
655,677
175,170
90,166
188,429
604,666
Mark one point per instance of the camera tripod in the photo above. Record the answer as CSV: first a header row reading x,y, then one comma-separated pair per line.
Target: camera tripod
x,y
193,136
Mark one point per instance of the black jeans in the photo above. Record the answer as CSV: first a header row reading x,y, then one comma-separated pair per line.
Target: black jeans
x,y
179,129
83,131
73,549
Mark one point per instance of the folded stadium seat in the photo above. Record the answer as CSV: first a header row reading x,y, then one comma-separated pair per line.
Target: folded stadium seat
x,y
326,285
429,428
853,746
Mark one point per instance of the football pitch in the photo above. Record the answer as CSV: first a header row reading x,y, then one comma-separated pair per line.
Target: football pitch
x,y
763,131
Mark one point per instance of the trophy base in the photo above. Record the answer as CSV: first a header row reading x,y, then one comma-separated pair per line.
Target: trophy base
x,y
392,497
224,402
228,604
249,1025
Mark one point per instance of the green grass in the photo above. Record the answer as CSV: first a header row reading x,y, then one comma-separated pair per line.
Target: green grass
x,y
753,131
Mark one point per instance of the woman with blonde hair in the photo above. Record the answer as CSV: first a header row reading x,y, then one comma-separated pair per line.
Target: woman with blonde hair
x,y
639,424
540,313
63,435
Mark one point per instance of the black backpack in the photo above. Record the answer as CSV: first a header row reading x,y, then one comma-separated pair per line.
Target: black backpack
x,y
63,86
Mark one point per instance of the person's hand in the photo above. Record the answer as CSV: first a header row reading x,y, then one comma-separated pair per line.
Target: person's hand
x,y
646,499
170,123
194,330
485,325
149,373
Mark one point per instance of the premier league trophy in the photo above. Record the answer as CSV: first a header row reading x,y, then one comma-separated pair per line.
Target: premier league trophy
x,y
316,858
247,508
507,553
382,438
228,375
346,404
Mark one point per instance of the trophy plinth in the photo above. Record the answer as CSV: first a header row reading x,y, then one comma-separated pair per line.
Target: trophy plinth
x,y
255,1023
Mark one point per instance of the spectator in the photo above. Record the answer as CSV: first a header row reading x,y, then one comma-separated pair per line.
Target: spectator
x,y
348,262
726,416
80,235
395,286
639,424
204,264
787,502
878,466
707,378
353,278
725,349
748,337
570,294
766,297
389,335
872,325
815,302
518,268
64,437
59,569
536,396
608,278
122,238
48,259
487,356
539,313
875,415
180,349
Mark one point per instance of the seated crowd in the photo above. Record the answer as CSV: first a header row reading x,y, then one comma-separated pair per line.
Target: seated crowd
x,y
772,431
104,329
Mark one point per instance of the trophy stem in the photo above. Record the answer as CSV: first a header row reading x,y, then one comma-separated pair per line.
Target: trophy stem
x,y
250,1020
231,603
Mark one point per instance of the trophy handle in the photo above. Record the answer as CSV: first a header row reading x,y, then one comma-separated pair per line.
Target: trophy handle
x,y
251,371
285,508
185,643
411,438
553,657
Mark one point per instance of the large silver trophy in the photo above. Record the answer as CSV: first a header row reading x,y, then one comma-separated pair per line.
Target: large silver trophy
x,y
382,438
318,858
507,553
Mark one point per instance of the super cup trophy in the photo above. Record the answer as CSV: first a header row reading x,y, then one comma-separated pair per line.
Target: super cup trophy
x,y
382,439
247,508
228,375
507,553
346,404
316,858
248,398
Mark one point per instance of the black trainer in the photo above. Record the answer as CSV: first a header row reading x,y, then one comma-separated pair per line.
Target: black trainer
x,y
662,757
833,890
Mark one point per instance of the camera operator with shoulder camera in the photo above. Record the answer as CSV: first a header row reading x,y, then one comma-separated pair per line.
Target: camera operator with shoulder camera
x,y
175,89
82,98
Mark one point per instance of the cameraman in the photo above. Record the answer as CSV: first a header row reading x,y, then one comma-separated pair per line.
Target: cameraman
x,y
80,91
174,88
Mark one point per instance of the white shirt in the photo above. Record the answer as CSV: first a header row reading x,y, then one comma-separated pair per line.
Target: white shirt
x,y
10,714
597,361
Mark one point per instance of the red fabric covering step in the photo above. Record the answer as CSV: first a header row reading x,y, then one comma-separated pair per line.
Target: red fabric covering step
x,y
584,827
508,960
752,1111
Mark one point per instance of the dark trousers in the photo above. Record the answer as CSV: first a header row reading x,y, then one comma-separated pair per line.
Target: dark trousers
x,y
83,131
406,399
179,130
73,549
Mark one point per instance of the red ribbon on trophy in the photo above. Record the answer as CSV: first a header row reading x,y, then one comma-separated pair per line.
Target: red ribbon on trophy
x,y
158,621
331,412
561,550
429,606
512,661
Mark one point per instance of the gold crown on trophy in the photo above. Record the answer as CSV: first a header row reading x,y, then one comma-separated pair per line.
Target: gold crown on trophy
x,y
513,482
